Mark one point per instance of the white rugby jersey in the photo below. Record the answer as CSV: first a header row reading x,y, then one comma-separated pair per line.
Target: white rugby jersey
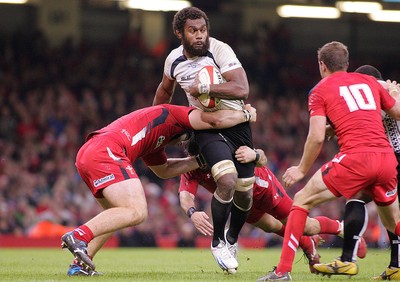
x,y
392,130
183,70
392,127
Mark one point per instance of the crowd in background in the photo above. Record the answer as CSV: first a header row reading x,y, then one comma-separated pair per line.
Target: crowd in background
x,y
51,98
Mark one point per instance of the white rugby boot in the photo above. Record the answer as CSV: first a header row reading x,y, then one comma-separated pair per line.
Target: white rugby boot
x,y
224,257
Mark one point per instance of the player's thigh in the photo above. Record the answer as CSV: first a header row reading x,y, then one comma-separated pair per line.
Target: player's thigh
x,y
127,193
315,192
268,223
213,147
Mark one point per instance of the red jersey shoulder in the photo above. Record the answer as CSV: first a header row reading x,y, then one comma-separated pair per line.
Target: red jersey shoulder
x,y
180,113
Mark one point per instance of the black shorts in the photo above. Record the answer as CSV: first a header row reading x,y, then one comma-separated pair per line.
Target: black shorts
x,y
220,144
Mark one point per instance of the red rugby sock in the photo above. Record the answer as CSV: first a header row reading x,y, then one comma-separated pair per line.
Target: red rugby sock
x,y
306,243
83,233
328,226
294,230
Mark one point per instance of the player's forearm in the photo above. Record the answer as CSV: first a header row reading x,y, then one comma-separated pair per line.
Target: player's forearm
x,y
262,158
175,167
228,118
229,90
186,201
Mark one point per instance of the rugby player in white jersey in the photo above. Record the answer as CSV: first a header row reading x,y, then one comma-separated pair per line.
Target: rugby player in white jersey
x,y
234,180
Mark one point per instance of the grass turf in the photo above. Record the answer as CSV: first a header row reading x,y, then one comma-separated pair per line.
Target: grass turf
x,y
152,264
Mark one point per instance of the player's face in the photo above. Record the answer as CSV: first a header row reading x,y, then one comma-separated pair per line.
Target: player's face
x,y
195,39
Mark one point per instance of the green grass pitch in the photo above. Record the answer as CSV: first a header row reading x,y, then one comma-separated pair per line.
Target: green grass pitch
x,y
152,264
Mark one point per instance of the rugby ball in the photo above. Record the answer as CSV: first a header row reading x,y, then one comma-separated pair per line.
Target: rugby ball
x,y
209,75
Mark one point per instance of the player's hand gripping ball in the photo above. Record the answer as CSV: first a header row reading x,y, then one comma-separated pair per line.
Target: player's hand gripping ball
x,y
209,75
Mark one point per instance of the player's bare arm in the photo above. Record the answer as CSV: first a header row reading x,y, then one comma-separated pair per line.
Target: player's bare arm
x,y
312,148
236,86
165,91
199,218
245,154
221,119
175,167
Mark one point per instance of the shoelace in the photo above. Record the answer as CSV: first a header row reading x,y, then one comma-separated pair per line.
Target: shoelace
x,y
232,249
225,251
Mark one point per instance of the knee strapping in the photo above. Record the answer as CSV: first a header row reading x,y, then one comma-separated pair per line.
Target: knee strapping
x,y
221,168
244,184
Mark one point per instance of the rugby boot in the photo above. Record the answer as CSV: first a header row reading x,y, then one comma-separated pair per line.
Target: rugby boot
x,y
78,270
273,276
337,267
223,257
311,254
78,248
233,248
390,273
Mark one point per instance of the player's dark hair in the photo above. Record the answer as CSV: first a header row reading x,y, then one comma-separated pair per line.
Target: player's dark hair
x,y
183,15
369,70
192,148
335,56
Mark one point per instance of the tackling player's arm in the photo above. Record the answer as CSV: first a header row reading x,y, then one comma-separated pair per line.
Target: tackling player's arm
x,y
199,218
174,167
200,120
236,86
246,154
165,91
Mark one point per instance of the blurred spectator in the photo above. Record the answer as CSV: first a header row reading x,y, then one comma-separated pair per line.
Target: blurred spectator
x,y
139,236
187,237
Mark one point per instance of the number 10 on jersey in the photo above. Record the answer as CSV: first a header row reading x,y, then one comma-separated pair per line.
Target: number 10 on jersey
x,y
358,97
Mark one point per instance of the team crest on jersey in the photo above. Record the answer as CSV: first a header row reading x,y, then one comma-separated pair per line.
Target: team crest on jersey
x,y
130,169
160,141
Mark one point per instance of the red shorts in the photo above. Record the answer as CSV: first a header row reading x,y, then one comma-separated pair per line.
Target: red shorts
x,y
279,209
374,173
101,162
